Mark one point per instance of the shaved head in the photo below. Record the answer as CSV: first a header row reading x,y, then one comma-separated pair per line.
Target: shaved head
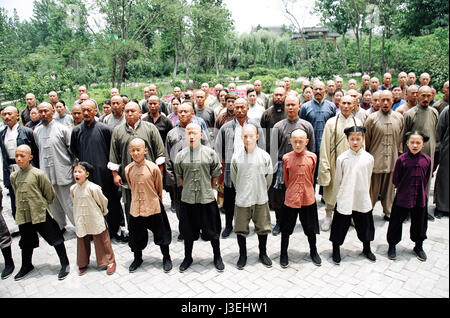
x,y
137,142
299,133
194,126
25,148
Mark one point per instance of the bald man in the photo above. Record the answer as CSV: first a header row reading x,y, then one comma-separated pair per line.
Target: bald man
x,y
55,159
228,142
198,168
147,211
387,79
411,78
82,91
384,136
119,156
374,82
163,108
114,92
53,97
403,83
30,100
424,79
365,84
411,99
357,111
10,138
117,116
251,174
216,100
280,138
262,98
424,118
317,112
209,99
32,215
331,88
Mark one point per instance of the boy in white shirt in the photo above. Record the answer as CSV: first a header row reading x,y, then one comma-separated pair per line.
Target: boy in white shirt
x,y
353,173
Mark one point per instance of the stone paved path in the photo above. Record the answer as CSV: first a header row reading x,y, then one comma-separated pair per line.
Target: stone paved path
x,y
355,277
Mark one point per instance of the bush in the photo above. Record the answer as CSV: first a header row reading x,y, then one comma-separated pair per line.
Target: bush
x,y
268,82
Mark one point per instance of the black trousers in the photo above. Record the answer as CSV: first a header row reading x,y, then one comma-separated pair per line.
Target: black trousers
x,y
12,196
308,218
229,200
49,230
365,229
157,223
419,224
196,217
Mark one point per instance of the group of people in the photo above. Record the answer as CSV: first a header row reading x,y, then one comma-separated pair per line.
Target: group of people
x,y
258,153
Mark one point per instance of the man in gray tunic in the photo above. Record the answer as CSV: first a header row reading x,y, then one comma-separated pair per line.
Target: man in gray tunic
x,y
119,157
117,116
55,159
175,142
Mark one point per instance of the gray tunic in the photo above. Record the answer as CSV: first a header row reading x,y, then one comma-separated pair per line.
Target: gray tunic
x,y
55,159
175,142
197,167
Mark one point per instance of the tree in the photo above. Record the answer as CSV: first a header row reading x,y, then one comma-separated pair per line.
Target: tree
x,y
423,16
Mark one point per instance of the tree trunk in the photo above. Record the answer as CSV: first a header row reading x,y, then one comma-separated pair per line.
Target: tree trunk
x,y
383,56
175,63
216,65
345,51
359,49
122,65
369,64
113,75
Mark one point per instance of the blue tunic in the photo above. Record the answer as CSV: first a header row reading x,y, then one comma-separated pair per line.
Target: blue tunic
x,y
317,114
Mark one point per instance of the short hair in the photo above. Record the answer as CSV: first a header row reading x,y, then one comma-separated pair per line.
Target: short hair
x,y
107,102
395,86
353,129
177,98
123,95
135,100
339,91
251,90
416,132
62,102
87,166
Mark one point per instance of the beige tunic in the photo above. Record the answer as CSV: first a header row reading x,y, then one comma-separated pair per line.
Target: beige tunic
x,y
384,139
334,142
145,180
89,208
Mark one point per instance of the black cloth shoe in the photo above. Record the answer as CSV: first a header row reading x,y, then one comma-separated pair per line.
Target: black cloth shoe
x,y
7,271
185,264
135,265
430,217
265,260
420,254
180,238
386,218
24,271
392,253
370,256
64,271
226,232
315,258
167,264
284,260
15,234
276,229
242,261
218,263
438,214
336,255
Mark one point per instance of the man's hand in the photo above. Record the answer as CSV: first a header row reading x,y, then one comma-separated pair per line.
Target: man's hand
x,y
117,179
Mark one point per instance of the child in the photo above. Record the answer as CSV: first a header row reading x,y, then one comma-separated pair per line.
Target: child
x,y
5,243
34,193
411,174
353,173
251,173
298,173
89,208
146,210
198,169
